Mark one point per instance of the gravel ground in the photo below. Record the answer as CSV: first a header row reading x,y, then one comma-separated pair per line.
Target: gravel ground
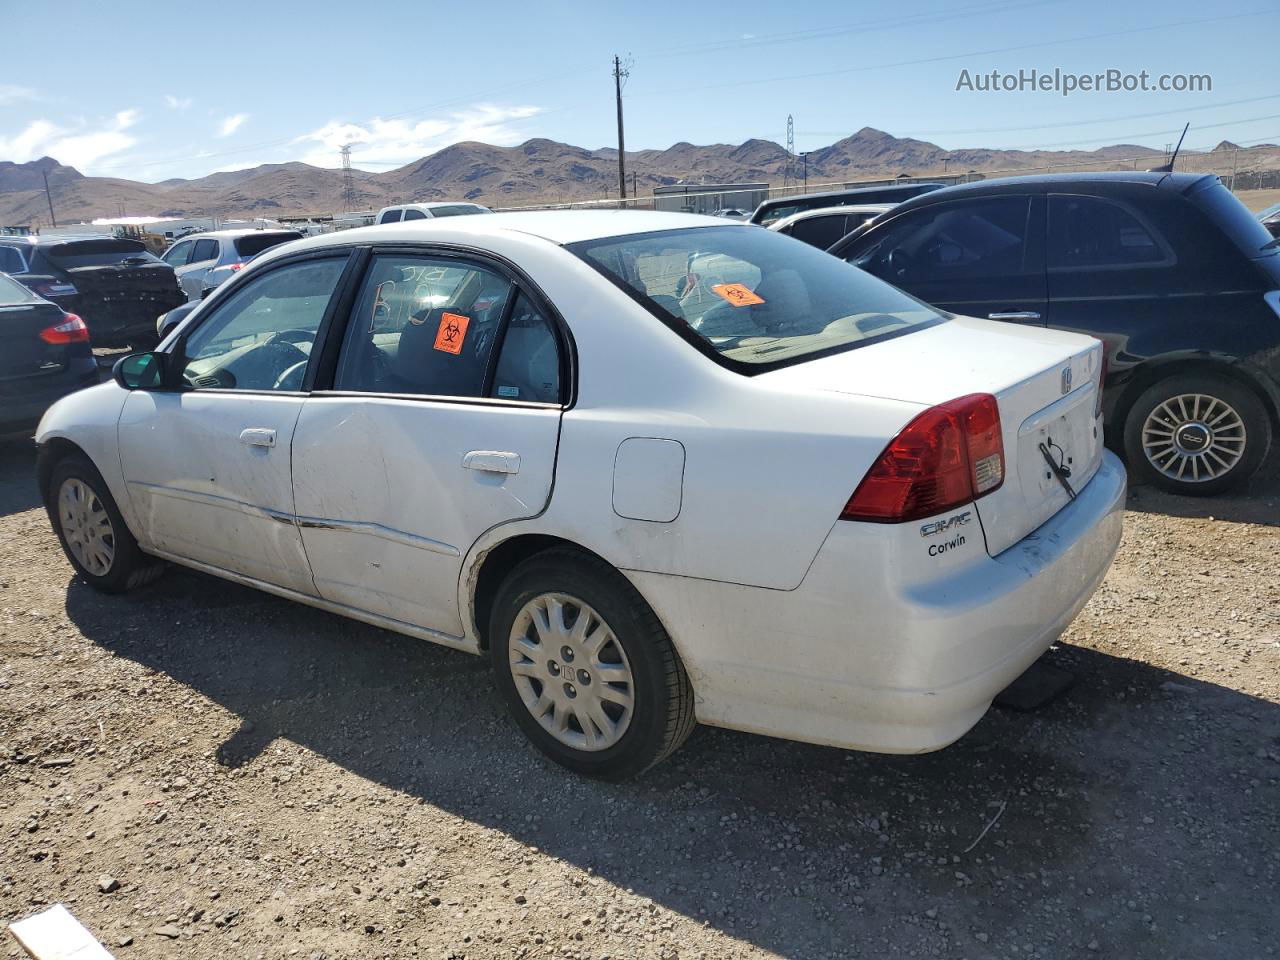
x,y
200,770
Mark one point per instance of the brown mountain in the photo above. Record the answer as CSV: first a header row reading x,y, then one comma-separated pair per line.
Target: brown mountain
x,y
541,171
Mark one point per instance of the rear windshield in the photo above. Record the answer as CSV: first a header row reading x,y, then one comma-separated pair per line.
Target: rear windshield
x,y
254,243
1226,210
458,209
755,297
97,253
13,293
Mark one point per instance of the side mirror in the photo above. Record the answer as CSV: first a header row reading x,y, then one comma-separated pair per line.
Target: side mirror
x,y
140,371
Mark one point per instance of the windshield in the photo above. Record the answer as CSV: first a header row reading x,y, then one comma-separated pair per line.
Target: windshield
x,y
98,253
754,296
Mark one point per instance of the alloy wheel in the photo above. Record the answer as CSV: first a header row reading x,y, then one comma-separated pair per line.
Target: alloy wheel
x,y
1194,438
86,526
571,672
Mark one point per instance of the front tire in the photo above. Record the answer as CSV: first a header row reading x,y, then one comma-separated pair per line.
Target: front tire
x,y
586,669
1196,435
91,530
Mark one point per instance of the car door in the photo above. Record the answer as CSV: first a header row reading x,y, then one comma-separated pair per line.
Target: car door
x,y
441,421
204,257
981,256
207,462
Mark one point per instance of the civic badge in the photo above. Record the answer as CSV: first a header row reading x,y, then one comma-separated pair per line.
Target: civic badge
x,y
1066,380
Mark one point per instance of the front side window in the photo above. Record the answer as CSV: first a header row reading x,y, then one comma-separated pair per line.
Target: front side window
x,y
179,255
262,336
752,296
206,249
963,239
1085,232
423,326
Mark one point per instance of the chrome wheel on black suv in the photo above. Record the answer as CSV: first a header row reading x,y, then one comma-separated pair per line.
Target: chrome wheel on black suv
x,y
1196,435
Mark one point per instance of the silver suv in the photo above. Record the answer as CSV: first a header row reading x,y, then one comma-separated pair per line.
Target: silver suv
x,y
203,260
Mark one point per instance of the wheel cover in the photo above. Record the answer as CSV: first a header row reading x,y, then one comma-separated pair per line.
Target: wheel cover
x,y
1194,438
86,526
571,672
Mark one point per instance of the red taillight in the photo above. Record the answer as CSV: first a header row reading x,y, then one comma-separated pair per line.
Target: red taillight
x,y
947,456
233,267
70,330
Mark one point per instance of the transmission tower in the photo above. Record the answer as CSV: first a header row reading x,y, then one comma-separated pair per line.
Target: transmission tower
x,y
789,172
348,181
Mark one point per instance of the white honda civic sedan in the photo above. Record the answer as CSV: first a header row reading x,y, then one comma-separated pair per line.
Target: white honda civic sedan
x,y
662,469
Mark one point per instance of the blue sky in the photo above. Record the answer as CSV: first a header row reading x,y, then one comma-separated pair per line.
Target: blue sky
x,y
154,92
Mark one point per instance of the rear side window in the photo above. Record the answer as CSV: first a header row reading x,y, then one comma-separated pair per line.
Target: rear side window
x,y
412,214
11,260
423,326
390,216
254,243
529,362
972,239
98,253
204,250
1226,210
820,231
1090,233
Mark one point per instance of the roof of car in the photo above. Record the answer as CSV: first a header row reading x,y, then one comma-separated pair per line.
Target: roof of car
x,y
231,234
558,226
1037,183
32,239
832,211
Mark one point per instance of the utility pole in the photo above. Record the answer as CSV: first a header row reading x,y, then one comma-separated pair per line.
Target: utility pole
x,y
49,196
620,72
348,183
805,157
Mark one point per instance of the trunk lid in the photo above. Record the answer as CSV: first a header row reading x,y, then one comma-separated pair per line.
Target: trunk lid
x,y
1045,383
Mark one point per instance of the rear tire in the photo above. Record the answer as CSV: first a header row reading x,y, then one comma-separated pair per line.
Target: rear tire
x,y
1196,435
91,530
602,691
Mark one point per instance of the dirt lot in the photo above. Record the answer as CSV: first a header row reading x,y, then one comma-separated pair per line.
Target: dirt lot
x,y
264,780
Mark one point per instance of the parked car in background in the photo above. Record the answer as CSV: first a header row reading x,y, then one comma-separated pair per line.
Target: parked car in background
x,y
823,226
428,211
776,209
1270,218
732,213
1170,270
116,286
44,355
820,510
203,260
167,322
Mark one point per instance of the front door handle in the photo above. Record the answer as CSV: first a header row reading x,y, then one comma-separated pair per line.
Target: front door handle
x,y
258,437
492,461
1014,315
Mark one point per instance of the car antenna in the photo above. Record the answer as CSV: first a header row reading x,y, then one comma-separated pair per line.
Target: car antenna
x,y
1168,167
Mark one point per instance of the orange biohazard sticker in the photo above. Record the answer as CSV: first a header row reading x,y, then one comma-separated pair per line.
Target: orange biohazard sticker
x,y
737,294
453,330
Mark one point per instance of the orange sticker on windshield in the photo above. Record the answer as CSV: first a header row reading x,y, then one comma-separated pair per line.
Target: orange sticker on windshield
x,y
453,330
737,294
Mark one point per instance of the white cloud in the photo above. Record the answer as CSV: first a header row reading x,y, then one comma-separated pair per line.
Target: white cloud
x,y
383,142
12,93
231,124
177,103
82,146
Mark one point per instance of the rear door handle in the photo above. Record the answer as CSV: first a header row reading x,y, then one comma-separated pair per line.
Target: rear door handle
x,y
1014,315
258,437
492,461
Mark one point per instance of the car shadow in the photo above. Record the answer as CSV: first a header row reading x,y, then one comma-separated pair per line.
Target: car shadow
x,y
18,477
1152,791
1257,501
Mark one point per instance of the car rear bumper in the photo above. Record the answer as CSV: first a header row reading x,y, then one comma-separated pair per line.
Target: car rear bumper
x,y
855,658
24,401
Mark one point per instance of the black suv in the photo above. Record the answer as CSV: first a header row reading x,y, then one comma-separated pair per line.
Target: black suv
x,y
1169,269
116,285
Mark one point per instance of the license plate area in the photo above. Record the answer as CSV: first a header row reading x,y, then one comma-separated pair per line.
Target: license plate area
x,y
1068,432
